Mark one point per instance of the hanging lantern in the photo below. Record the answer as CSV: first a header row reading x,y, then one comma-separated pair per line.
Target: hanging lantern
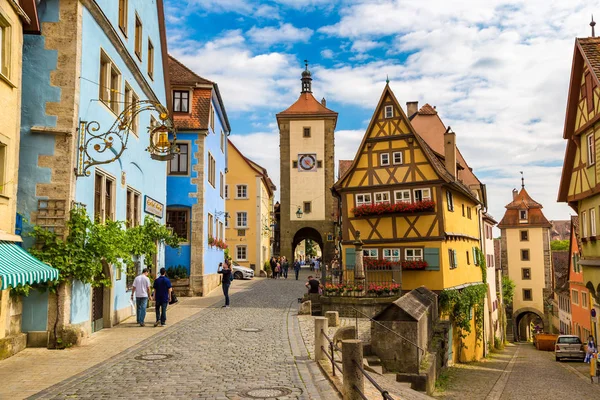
x,y
160,147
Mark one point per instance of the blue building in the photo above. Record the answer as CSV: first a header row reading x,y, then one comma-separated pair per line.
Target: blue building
x,y
196,177
92,61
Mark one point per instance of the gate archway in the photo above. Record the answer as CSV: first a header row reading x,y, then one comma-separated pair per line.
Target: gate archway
x,y
524,320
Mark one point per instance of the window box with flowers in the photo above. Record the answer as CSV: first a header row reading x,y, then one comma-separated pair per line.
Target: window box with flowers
x,y
375,264
218,243
383,289
417,264
388,208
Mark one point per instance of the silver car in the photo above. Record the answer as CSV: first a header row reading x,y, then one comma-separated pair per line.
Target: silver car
x,y
241,272
568,346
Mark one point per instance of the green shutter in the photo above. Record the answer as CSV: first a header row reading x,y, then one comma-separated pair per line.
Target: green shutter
x,y
350,258
432,257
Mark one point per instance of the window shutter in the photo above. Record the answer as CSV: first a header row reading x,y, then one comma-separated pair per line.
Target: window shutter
x,y
350,258
455,262
432,257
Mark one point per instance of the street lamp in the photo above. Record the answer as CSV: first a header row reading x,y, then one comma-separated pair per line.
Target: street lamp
x,y
299,213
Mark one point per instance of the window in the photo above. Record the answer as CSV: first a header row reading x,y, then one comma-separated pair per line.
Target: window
x,y
469,258
524,236
463,210
110,83
450,200
371,253
211,226
242,192
212,173
584,300
422,194
221,185
575,296
382,198
591,148
413,254
133,207
132,99
104,197
524,255
468,212
593,222
221,230
179,165
3,158
306,132
212,118
452,261
222,141
5,47
384,159
397,157
242,220
402,196
389,111
241,253
181,101
391,254
226,192
523,216
295,164
123,16
138,37
150,59
525,273
319,164
362,199
584,224
307,207
178,220
527,295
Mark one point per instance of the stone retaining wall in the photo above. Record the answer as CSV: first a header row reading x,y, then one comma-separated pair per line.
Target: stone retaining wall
x,y
344,305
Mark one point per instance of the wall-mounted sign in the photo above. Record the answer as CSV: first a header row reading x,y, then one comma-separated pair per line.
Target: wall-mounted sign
x,y
593,312
330,237
307,162
153,207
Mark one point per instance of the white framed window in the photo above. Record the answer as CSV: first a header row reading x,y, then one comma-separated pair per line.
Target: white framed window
x,y
382,197
104,197
584,224
212,167
371,253
241,253
384,159
402,196
241,192
226,192
591,149
522,216
391,254
362,199
220,231
413,254
450,200
110,83
422,194
132,99
211,226
241,219
574,296
5,47
592,222
584,299
138,36
123,5
397,157
452,259
181,101
222,142
389,111
133,207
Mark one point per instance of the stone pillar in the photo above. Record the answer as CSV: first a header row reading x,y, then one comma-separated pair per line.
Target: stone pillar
x,y
333,318
352,354
320,341
359,269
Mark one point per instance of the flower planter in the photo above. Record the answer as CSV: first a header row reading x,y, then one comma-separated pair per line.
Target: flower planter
x,y
397,208
414,265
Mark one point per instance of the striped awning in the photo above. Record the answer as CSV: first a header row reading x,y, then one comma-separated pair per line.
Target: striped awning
x,y
18,267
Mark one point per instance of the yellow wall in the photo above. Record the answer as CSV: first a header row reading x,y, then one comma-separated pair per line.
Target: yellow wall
x,y
591,248
472,351
307,186
10,104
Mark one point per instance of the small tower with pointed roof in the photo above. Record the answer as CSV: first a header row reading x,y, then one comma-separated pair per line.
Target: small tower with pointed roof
x,y
526,260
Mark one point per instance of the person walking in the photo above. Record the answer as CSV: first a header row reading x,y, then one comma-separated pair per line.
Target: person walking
x,y
273,264
141,290
162,297
285,265
313,285
317,265
225,270
297,267
591,349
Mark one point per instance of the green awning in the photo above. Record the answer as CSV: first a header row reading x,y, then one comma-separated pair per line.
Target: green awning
x,y
18,267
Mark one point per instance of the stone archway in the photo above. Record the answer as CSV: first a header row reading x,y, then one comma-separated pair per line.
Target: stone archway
x,y
307,233
522,320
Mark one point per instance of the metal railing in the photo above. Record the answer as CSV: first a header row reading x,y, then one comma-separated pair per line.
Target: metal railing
x,y
384,393
332,349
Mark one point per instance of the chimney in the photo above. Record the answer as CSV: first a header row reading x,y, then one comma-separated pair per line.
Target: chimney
x,y
450,151
412,107
324,102
515,194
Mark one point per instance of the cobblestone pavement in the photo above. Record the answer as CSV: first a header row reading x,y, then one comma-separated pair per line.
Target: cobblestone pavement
x,y
519,372
250,350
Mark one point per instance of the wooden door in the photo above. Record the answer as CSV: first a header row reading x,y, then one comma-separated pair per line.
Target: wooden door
x,y
97,308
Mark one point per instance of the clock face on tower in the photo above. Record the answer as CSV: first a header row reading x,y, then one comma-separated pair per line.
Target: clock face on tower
x,y
307,162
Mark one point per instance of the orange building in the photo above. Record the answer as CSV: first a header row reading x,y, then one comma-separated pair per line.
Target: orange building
x,y
580,295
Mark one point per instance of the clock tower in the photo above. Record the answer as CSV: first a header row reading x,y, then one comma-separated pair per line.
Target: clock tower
x,y
307,211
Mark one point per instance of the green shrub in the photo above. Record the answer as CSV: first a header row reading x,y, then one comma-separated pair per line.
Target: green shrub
x,y
267,267
178,272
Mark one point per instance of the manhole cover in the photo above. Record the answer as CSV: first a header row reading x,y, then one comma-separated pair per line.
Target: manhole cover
x,y
266,393
153,357
250,330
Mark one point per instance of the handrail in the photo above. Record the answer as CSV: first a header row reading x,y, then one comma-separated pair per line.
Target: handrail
x,y
385,327
383,392
334,365
336,348
332,348
361,394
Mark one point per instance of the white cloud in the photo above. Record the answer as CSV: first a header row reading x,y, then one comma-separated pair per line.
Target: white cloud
x,y
362,46
284,33
327,53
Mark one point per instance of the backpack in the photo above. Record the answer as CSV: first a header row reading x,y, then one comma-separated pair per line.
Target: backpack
x,y
231,277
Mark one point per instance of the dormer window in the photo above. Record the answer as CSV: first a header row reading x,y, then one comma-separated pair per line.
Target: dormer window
x,y
389,111
522,216
181,101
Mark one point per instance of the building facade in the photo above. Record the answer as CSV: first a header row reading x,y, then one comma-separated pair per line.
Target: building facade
x,y
249,203
561,308
409,206
196,180
92,65
493,327
526,260
306,133
580,300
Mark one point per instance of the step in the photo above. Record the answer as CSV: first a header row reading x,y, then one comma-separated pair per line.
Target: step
x,y
373,360
367,349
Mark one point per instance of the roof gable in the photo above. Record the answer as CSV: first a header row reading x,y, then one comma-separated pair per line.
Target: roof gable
x,y
182,75
307,105
257,169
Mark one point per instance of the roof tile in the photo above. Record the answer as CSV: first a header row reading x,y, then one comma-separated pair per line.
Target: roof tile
x,y
307,105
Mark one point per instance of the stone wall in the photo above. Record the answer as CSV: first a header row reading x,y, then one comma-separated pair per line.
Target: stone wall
x,y
370,306
396,354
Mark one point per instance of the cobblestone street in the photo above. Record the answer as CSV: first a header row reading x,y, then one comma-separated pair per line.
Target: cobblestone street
x,y
251,350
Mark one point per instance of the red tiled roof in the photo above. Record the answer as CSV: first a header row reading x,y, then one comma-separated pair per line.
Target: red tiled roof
x,y
182,75
522,201
535,216
344,165
198,118
427,110
307,105
591,50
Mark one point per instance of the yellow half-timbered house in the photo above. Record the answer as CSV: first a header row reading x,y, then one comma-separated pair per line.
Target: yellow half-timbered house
x,y
409,205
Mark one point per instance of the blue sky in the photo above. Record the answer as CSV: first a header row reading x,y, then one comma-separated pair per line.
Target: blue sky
x,y
497,72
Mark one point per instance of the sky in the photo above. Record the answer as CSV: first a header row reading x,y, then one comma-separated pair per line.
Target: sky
x,y
497,72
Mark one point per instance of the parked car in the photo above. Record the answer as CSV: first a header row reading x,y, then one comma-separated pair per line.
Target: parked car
x,y
568,346
241,272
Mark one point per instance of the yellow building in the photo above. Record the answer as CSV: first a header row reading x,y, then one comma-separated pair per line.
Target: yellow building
x,y
249,203
580,181
409,206
526,260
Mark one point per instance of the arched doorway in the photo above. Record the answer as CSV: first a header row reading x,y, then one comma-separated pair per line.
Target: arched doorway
x,y
309,237
526,322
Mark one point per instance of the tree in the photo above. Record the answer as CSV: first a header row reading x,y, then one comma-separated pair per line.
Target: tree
x,y
558,245
309,247
508,290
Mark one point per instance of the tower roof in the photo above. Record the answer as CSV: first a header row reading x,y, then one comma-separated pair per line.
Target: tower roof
x,y
307,105
523,202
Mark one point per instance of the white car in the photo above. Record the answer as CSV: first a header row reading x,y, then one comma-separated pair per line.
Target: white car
x,y
241,272
568,346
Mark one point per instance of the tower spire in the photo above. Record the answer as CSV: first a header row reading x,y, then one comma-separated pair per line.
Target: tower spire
x,y
522,180
306,79
593,24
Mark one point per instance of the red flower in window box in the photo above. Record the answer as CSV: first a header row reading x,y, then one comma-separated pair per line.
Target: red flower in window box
x,y
388,208
420,264
376,264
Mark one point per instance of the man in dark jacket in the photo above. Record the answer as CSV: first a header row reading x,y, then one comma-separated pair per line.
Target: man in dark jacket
x,y
162,297
297,268
273,264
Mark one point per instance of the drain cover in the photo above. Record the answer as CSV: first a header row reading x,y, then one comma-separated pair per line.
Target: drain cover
x,y
153,357
250,330
266,393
